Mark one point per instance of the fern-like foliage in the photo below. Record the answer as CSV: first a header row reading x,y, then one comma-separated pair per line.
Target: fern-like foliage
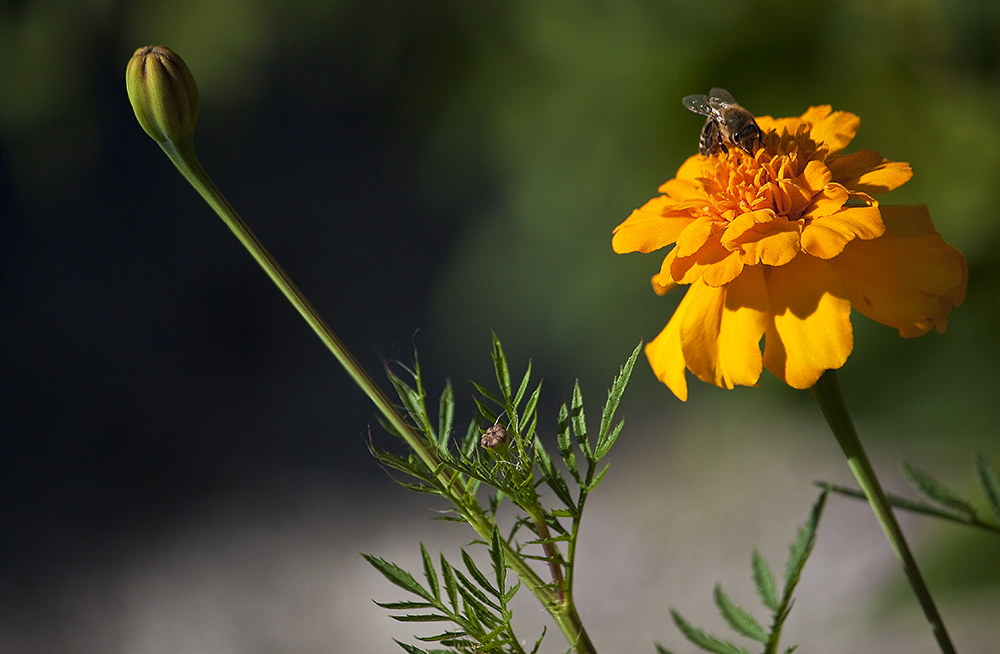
x,y
742,621
476,606
942,502
500,457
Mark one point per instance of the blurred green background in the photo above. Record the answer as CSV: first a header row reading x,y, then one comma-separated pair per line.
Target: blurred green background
x,y
438,168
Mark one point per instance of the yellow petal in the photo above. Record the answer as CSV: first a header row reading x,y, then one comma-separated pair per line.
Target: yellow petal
x,y
665,356
866,170
721,330
826,236
910,278
811,329
647,229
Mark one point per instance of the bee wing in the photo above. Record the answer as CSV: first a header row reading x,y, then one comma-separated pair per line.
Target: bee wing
x,y
698,103
721,96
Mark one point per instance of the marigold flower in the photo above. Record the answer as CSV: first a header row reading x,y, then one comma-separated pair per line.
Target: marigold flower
x,y
781,245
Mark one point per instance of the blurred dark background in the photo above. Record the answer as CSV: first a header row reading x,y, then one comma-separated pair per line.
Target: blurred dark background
x,y
425,171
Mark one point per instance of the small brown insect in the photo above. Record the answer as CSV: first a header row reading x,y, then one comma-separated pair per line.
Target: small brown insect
x,y
727,122
494,436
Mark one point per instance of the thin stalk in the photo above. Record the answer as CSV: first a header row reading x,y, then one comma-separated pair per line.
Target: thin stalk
x,y
183,156
831,403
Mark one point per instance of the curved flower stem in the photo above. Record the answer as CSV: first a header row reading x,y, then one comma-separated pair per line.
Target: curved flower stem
x,y
183,156
831,403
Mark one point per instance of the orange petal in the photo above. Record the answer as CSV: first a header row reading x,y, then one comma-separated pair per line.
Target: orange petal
x,y
815,177
647,229
770,124
833,129
826,236
691,171
762,237
866,170
694,236
662,281
683,190
828,201
910,278
665,356
811,329
721,329
713,263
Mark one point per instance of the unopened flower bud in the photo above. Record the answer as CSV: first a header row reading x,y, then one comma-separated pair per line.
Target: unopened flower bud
x,y
493,437
163,93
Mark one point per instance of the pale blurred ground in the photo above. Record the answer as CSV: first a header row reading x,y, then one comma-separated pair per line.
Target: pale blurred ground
x,y
277,569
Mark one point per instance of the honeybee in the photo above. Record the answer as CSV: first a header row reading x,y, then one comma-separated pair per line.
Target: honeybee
x,y
727,123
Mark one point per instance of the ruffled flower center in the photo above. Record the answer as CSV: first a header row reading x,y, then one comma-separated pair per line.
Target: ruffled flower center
x,y
761,209
786,177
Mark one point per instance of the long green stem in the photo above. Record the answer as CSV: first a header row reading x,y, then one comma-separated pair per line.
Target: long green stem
x,y
831,403
183,156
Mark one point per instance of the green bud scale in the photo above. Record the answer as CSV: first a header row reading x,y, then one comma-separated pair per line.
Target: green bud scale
x,y
163,94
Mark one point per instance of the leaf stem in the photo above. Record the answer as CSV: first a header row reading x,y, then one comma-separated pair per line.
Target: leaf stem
x,y
183,156
831,403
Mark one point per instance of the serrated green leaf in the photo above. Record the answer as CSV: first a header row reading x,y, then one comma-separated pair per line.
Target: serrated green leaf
x,y
499,561
413,402
741,622
387,426
410,649
597,478
407,465
551,475
480,578
450,585
430,574
446,416
703,640
989,482
474,601
523,388
565,443
458,640
421,488
488,395
500,364
616,392
398,576
538,643
529,410
660,649
405,606
805,540
470,441
421,617
937,491
604,444
579,422
763,581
